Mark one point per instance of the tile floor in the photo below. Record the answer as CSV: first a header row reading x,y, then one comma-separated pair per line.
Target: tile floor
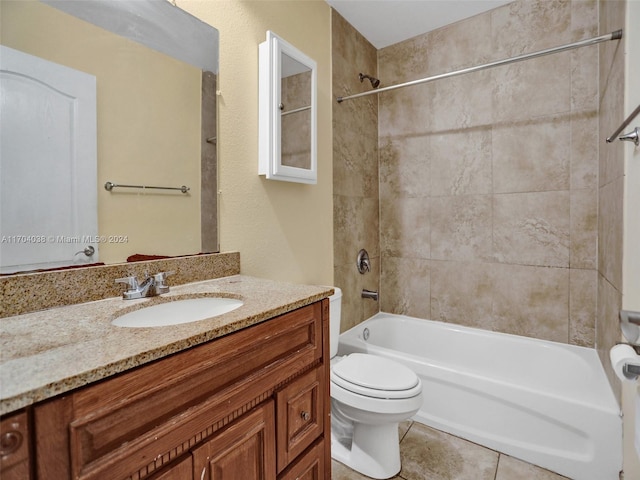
x,y
429,454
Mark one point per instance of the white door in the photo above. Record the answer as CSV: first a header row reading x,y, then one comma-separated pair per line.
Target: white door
x,y
48,164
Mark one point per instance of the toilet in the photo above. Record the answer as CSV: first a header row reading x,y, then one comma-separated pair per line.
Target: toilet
x,y
370,396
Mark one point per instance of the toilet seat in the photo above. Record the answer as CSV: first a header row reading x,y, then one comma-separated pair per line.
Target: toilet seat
x,y
374,376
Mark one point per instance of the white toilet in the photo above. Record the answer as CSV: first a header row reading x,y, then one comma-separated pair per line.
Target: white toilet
x,y
370,396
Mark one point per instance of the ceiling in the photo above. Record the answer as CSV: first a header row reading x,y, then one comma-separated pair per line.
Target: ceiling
x,y
386,22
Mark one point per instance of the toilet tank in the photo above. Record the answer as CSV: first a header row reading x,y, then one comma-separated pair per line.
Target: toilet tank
x,y
335,311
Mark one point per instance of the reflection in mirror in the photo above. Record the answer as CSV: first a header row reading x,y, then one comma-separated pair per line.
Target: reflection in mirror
x,y
155,113
287,112
296,113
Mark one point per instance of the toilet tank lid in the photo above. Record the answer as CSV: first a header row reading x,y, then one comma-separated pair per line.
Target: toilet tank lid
x,y
374,372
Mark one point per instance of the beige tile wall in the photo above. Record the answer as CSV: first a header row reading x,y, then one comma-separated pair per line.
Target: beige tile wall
x,y
488,182
355,171
610,186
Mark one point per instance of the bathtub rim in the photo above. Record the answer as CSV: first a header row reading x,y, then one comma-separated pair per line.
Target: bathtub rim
x,y
585,354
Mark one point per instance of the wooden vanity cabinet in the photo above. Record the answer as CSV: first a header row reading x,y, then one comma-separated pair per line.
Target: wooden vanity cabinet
x,y
250,405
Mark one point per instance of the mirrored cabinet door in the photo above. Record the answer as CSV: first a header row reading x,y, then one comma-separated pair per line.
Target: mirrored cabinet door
x,y
287,134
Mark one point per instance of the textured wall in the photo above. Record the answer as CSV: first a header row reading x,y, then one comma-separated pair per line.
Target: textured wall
x,y
488,181
611,186
283,230
355,171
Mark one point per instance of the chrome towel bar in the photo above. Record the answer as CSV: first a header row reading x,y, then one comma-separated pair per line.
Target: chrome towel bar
x,y
623,125
296,110
110,186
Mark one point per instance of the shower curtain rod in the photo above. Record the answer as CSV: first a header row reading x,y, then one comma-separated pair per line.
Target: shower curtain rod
x,y
582,43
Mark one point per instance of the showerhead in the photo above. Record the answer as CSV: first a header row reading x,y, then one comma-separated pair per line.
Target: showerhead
x,y
375,83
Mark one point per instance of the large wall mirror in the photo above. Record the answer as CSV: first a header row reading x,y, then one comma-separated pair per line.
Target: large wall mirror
x,y
287,112
150,70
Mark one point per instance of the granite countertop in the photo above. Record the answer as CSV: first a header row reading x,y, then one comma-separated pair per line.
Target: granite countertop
x,y
46,353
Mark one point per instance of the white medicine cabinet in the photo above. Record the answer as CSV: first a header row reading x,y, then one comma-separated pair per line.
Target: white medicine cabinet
x,y
287,112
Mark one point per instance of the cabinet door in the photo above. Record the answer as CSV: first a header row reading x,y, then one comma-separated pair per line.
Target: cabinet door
x,y
14,448
309,466
183,470
245,450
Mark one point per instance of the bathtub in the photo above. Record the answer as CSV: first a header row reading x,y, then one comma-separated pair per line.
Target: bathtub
x,y
543,402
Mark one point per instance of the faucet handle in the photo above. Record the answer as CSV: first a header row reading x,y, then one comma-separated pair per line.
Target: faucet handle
x,y
362,262
162,276
160,279
131,281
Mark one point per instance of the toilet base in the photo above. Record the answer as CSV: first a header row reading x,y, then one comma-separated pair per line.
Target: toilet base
x,y
374,450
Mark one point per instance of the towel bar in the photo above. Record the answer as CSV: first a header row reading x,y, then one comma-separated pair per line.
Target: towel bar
x,y
110,186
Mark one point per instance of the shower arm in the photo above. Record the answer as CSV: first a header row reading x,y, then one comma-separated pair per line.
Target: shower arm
x,y
616,35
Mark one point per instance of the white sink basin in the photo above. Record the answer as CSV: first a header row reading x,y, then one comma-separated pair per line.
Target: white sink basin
x,y
177,312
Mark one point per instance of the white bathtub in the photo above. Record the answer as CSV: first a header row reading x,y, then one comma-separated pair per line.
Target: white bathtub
x,y
546,403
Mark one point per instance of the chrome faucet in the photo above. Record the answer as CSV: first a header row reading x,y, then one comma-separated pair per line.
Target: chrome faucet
x,y
373,295
150,286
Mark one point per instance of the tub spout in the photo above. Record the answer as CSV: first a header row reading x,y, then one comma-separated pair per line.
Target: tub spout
x,y
370,294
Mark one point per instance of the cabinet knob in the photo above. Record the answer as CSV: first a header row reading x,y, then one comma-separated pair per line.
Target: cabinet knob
x,y
305,416
10,442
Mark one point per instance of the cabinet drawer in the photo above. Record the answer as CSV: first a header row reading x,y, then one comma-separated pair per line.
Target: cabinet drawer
x,y
14,448
300,415
310,465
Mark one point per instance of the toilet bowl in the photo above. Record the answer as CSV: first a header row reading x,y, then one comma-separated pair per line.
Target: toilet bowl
x,y
370,396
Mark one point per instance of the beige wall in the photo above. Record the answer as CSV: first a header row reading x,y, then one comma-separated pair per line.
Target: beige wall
x,y
355,172
631,253
610,186
488,181
282,230
164,151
